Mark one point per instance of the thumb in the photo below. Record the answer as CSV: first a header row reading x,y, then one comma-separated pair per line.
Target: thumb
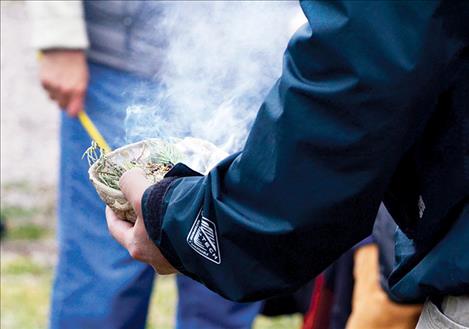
x,y
133,184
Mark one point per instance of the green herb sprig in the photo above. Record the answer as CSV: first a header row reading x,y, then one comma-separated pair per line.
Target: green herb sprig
x,y
162,158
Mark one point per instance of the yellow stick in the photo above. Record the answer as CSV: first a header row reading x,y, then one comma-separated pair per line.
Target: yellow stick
x,y
93,131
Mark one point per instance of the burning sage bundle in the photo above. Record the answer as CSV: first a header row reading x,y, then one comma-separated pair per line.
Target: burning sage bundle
x,y
155,157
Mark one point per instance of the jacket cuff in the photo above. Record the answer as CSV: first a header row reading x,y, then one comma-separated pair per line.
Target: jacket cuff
x,y
152,207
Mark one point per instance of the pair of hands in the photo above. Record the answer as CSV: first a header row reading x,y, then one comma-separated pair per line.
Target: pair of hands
x,y
134,237
64,75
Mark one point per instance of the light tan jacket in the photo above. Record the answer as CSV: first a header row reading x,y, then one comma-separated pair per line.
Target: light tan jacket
x,y
57,24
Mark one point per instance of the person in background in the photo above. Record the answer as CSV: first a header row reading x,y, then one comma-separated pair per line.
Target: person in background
x,y
352,293
102,56
372,304
372,106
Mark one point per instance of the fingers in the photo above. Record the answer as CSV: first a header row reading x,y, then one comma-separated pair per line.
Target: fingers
x,y
63,98
137,242
145,250
64,75
140,229
57,93
119,229
71,100
76,103
133,184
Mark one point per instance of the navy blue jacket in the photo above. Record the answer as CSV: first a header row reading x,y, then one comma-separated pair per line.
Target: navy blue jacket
x,y
372,106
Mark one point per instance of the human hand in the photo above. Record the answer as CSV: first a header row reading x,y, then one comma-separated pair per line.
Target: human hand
x,y
134,237
64,75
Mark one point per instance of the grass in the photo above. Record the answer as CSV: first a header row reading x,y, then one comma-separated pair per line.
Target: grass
x,y
162,312
281,322
162,307
26,278
27,232
23,266
20,225
26,285
17,212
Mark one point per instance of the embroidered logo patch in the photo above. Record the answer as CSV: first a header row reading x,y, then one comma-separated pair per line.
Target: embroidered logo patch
x,y
203,238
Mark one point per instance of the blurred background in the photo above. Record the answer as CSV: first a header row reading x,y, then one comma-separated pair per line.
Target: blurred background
x,y
29,163
29,171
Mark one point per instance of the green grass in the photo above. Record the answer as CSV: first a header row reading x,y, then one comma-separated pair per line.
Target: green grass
x,y
282,322
20,222
162,307
27,232
15,212
162,310
25,287
23,266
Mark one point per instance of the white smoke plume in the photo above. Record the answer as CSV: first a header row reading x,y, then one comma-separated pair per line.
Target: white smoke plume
x,y
221,60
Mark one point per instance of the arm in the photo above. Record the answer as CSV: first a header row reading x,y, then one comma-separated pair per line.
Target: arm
x,y
59,33
57,24
358,85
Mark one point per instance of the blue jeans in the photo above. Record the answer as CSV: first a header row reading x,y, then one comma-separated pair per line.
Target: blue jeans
x,y
97,284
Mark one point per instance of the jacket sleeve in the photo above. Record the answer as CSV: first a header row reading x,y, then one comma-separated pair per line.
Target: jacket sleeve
x,y
57,24
359,82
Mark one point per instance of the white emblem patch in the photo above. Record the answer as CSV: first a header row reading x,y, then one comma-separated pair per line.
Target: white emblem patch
x,y
203,238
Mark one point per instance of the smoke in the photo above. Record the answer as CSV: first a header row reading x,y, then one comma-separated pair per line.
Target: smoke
x,y
221,60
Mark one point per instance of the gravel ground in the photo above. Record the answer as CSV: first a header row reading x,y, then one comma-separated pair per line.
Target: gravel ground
x,y
29,121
